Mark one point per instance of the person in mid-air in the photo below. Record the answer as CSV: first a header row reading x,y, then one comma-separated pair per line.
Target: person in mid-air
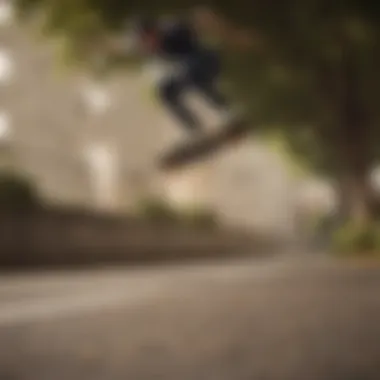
x,y
196,65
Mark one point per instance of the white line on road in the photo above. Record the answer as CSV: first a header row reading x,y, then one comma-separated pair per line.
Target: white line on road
x,y
37,309
118,292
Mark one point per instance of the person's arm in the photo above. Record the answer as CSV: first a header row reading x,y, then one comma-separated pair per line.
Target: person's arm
x,y
212,23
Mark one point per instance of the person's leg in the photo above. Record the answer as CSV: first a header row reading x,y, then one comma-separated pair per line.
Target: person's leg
x,y
205,73
210,91
171,92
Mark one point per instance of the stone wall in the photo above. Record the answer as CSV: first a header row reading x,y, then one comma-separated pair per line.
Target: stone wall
x,y
71,237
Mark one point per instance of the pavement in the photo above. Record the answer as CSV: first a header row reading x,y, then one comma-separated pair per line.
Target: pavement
x,y
289,317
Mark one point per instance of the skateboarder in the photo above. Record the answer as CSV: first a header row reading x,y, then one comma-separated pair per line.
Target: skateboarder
x,y
194,65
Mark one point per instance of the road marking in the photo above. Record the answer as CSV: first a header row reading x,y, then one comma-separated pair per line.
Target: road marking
x,y
92,296
37,309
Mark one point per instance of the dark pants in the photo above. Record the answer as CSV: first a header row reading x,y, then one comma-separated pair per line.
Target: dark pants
x,y
200,72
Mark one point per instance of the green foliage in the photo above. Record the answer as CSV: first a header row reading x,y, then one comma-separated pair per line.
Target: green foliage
x,y
200,218
17,192
157,210
353,239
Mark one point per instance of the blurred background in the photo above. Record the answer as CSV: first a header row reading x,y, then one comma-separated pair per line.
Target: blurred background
x,y
83,205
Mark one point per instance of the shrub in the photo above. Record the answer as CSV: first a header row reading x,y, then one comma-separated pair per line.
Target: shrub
x,y
201,218
157,210
356,239
17,192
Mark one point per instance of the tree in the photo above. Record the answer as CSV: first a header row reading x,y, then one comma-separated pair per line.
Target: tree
x,y
317,76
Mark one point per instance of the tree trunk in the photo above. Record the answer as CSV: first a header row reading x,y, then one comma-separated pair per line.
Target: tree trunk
x,y
354,145
355,199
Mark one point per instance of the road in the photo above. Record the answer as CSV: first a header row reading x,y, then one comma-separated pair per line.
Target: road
x,y
277,319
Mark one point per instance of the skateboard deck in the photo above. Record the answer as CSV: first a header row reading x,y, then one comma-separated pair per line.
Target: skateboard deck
x,y
194,151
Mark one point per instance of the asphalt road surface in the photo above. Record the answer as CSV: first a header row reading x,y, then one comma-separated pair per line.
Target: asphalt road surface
x,y
278,319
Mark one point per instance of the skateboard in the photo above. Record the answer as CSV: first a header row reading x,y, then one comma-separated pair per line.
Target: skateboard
x,y
194,151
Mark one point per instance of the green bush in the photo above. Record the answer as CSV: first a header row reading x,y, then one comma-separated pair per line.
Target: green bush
x,y
17,192
201,218
161,211
157,210
351,239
